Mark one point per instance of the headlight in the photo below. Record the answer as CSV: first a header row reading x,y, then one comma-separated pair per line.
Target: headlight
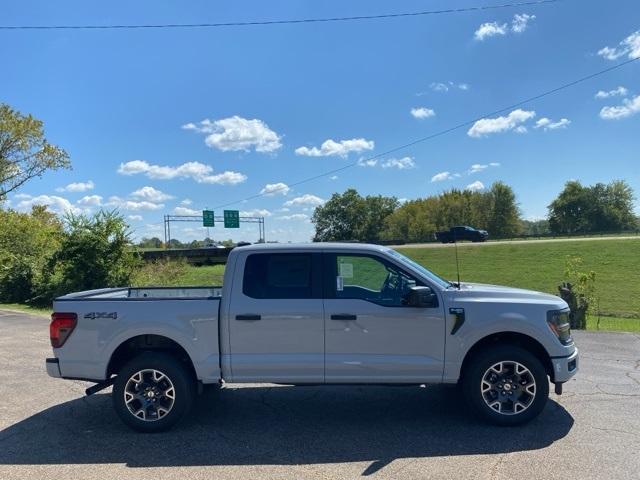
x,y
558,321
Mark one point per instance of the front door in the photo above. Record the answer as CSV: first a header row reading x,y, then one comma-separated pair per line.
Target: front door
x,y
371,336
276,328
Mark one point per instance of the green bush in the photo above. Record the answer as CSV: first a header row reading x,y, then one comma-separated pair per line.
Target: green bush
x,y
159,273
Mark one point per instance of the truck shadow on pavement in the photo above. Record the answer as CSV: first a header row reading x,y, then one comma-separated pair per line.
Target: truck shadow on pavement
x,y
278,425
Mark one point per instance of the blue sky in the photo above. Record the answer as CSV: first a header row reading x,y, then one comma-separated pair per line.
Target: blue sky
x,y
168,121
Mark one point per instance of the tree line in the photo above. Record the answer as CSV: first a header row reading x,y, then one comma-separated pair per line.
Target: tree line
x,y
578,209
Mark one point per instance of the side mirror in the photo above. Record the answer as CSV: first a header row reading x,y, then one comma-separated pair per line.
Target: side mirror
x,y
421,297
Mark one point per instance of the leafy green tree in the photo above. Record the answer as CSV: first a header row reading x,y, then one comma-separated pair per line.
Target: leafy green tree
x,y
24,151
349,216
535,227
504,219
95,252
153,242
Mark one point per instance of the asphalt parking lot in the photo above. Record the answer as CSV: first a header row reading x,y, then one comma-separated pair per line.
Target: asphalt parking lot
x,y
48,429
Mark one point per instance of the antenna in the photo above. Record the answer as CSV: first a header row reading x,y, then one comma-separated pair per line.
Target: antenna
x,y
455,246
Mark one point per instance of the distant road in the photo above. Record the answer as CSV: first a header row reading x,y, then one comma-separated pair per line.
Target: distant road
x,y
511,242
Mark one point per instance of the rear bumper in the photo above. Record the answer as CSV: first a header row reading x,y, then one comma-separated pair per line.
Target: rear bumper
x,y
565,367
53,368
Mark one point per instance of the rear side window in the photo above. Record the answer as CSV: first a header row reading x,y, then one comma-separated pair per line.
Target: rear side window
x,y
285,275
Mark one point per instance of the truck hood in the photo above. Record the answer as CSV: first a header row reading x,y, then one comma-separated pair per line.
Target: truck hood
x,y
498,293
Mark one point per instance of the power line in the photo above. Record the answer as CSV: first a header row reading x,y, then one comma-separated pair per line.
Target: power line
x,y
440,133
279,22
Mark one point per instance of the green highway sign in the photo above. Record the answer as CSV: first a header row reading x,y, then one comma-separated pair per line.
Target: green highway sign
x,y
231,219
208,220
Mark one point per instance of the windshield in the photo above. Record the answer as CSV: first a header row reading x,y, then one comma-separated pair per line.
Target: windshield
x,y
419,268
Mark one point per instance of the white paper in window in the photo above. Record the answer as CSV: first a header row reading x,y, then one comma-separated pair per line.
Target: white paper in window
x,y
346,270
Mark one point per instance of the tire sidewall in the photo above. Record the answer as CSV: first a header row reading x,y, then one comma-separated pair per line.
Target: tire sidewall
x,y
183,383
481,362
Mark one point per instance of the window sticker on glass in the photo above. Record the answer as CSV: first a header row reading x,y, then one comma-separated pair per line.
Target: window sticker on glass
x,y
346,270
339,284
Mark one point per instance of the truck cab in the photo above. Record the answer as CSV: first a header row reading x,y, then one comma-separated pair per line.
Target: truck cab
x,y
319,313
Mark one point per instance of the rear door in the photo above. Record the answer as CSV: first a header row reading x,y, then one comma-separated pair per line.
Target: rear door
x,y
276,321
371,335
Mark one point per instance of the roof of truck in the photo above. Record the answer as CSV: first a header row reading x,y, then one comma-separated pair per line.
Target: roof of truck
x,y
313,246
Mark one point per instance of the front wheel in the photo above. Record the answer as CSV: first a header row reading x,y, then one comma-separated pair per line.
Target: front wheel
x,y
153,392
506,385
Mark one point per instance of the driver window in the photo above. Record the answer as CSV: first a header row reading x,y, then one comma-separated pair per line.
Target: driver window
x,y
371,279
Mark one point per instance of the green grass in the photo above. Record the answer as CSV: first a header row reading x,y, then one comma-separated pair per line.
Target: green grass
x,y
204,275
540,266
613,324
45,312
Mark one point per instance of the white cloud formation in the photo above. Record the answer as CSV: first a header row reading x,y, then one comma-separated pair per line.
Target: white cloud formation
x,y
77,187
628,108
548,124
490,29
90,201
186,211
333,177
151,194
441,177
306,199
629,46
422,112
399,163
367,162
445,87
271,189
295,216
135,218
513,121
332,148
197,171
124,204
256,212
616,92
480,167
186,201
475,186
53,202
237,133
520,22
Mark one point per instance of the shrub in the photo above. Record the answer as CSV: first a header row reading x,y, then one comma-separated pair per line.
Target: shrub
x,y
159,273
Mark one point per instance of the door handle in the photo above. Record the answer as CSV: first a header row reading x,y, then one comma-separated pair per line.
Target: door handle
x,y
249,316
344,316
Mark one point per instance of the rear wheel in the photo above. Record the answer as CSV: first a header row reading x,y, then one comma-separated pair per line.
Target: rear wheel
x,y
506,385
153,392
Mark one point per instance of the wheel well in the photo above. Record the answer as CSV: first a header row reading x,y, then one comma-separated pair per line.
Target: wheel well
x,y
147,343
511,338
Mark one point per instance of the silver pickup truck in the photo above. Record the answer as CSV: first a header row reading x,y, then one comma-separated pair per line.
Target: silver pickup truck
x,y
320,313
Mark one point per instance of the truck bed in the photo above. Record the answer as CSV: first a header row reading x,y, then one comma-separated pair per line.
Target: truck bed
x,y
145,292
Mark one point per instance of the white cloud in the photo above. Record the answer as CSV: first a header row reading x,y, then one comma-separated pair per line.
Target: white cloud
x,y
490,29
117,202
616,92
333,177
548,124
135,218
151,194
445,87
441,177
256,212
306,199
399,163
628,108
53,202
186,201
494,164
480,167
513,121
367,162
197,171
422,112
342,148
186,211
295,216
90,201
520,22
271,189
77,187
475,186
629,46
237,133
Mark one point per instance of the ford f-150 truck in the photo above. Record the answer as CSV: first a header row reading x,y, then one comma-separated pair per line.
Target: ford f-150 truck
x,y
324,313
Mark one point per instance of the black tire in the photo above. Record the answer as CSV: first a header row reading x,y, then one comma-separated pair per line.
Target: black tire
x,y
474,380
175,374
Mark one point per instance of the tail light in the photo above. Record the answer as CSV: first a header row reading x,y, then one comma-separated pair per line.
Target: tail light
x,y
62,324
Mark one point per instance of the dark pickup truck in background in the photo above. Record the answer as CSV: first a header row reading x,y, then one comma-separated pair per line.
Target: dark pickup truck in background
x,y
455,234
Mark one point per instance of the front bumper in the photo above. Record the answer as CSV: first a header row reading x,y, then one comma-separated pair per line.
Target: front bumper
x,y
565,367
53,368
